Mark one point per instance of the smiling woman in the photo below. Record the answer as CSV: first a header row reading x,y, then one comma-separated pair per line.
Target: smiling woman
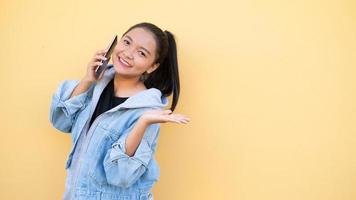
x,y
114,120
134,49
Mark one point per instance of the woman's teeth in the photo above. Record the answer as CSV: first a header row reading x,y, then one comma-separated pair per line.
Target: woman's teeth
x,y
124,62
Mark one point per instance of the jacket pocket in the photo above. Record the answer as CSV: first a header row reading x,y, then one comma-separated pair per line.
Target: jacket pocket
x,y
104,140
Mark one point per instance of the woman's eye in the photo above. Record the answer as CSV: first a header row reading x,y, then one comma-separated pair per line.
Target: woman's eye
x,y
142,54
126,41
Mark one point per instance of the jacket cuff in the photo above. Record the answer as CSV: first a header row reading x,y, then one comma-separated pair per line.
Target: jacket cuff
x,y
69,105
142,155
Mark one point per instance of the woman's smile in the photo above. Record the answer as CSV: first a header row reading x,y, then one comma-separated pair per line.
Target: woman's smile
x,y
122,62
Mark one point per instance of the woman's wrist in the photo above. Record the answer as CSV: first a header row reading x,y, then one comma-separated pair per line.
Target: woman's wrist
x,y
83,86
87,81
143,121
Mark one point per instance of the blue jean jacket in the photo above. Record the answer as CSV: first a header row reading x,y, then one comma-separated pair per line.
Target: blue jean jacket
x,y
97,166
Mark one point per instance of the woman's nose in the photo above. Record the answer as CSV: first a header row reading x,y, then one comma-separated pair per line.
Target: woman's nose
x,y
128,54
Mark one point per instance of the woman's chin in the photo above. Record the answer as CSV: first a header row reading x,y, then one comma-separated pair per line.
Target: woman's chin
x,y
120,69
123,73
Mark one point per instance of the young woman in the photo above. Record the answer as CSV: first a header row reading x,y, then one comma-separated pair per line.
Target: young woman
x,y
114,121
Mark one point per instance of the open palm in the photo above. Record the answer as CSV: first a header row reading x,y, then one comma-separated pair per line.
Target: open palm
x,y
163,116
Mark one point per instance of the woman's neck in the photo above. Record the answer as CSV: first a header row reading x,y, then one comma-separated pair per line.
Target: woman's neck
x,y
126,87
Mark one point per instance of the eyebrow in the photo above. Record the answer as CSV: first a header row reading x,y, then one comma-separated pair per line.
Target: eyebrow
x,y
140,46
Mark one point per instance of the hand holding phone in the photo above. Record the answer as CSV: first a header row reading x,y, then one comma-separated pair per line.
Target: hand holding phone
x,y
107,55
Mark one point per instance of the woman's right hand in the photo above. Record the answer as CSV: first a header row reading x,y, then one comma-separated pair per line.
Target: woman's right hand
x,y
93,64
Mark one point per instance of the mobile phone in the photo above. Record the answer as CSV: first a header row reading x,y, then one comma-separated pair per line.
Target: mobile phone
x,y
107,55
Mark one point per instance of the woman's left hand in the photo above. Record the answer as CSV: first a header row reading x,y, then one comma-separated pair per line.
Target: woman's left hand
x,y
163,116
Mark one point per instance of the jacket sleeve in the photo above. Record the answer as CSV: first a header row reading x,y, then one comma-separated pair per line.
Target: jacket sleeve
x,y
122,170
62,109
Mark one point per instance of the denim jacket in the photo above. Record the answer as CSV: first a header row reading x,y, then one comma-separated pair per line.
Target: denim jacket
x,y
103,169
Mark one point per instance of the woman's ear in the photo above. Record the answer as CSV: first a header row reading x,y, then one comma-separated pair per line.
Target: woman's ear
x,y
153,68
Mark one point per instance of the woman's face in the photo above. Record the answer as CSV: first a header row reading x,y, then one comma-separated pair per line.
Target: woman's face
x,y
135,53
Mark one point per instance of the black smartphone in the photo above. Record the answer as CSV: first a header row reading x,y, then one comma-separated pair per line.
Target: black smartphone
x,y
108,53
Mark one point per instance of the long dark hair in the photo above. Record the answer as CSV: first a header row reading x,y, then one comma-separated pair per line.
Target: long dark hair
x,y
166,76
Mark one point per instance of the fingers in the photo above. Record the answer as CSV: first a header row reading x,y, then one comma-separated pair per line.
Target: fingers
x,y
99,57
98,63
178,118
171,119
162,116
93,65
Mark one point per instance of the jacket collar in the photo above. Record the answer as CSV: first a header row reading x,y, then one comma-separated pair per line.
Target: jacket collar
x,y
151,97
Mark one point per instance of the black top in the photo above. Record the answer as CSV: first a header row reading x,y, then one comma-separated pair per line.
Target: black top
x,y
107,101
